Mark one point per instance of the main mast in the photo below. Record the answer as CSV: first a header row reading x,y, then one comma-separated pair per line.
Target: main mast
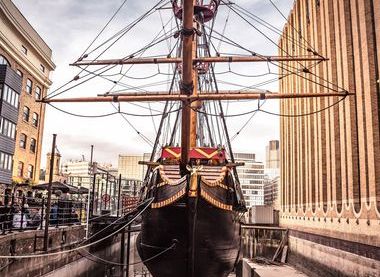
x,y
188,82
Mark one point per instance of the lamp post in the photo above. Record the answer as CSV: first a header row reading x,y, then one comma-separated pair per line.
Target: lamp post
x,y
48,206
89,191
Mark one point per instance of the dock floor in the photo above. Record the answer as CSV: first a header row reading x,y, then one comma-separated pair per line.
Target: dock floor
x,y
283,270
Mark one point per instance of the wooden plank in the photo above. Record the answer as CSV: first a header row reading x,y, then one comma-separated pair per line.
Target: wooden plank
x,y
284,254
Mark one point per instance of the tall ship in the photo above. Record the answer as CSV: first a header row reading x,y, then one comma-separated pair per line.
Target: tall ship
x,y
192,227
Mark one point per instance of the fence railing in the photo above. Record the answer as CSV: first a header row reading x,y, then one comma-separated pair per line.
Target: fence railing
x,y
20,213
264,242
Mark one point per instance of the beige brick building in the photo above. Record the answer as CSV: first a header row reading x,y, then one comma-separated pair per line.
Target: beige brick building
x,y
25,52
330,166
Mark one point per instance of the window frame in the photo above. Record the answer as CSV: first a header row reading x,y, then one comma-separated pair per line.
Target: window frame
x,y
37,95
30,171
6,161
24,50
35,119
4,60
33,145
10,96
26,116
20,173
7,128
23,146
29,86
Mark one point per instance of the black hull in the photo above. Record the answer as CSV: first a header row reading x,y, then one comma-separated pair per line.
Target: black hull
x,y
212,233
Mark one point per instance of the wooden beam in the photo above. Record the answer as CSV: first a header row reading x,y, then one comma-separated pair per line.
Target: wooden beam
x,y
190,98
225,59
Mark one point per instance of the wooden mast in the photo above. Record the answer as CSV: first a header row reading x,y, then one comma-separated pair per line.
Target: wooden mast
x,y
195,105
187,84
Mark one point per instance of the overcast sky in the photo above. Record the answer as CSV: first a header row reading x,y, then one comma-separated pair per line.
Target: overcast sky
x,y
68,26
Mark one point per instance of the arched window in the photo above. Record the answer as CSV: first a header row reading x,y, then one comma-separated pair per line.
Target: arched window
x,y
3,60
33,144
25,114
30,171
37,94
29,85
23,141
35,119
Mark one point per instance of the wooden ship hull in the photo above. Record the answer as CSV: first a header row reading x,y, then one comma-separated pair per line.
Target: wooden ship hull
x,y
217,241
194,218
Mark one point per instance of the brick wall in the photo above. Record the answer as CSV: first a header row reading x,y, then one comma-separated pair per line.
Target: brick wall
x,y
23,243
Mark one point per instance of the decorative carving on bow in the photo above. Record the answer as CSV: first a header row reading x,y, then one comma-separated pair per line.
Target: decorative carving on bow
x,y
194,173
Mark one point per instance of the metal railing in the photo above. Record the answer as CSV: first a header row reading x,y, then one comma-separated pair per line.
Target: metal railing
x,y
20,213
263,242
109,194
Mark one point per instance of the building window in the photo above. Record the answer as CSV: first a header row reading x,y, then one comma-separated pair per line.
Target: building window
x,y
23,141
38,93
7,128
25,114
10,96
35,120
42,68
24,50
20,169
30,171
5,161
3,60
29,85
19,73
33,144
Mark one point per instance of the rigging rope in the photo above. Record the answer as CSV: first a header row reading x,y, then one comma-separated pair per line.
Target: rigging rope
x,y
129,27
110,114
286,52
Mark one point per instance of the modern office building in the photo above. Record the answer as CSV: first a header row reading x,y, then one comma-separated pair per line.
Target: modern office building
x,y
330,166
129,167
25,52
272,192
251,177
272,154
10,89
272,174
78,173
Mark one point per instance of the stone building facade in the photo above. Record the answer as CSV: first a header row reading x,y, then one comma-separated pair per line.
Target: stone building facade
x,y
28,55
330,166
